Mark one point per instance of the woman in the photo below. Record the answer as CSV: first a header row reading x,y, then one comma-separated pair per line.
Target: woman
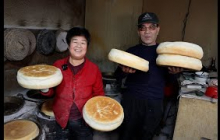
x,y
82,80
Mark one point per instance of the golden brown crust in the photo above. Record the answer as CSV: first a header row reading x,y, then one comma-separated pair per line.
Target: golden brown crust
x,y
103,109
20,130
103,113
38,70
47,108
39,76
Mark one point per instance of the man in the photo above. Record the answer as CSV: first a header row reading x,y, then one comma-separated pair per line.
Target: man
x,y
142,100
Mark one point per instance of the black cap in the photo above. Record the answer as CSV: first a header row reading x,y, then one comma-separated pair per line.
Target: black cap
x,y
148,17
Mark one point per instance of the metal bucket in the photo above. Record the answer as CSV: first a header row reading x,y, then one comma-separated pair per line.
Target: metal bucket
x,y
111,87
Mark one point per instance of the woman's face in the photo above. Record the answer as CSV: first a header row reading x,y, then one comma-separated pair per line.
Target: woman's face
x,y
78,47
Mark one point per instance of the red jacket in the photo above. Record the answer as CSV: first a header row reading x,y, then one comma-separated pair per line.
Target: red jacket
x,y
84,85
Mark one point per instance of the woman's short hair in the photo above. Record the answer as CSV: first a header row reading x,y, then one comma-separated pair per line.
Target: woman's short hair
x,y
77,31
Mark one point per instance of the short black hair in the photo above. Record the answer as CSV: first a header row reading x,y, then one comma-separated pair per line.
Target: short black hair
x,y
77,31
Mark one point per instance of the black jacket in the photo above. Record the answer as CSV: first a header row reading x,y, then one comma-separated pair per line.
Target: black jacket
x,y
146,85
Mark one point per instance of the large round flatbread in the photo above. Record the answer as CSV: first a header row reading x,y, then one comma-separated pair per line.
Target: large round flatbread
x,y
180,48
20,130
47,108
179,61
39,76
128,59
103,113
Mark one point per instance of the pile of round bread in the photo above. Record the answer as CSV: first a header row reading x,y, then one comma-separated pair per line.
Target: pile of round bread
x,y
128,59
39,76
180,54
21,130
103,113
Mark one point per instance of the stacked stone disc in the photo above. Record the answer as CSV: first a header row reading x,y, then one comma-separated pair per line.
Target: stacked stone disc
x,y
18,43
61,44
46,42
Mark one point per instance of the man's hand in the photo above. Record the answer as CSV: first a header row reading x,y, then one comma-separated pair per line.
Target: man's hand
x,y
175,70
127,69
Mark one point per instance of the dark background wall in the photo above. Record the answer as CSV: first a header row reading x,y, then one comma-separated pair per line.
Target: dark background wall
x,y
112,24
35,16
193,21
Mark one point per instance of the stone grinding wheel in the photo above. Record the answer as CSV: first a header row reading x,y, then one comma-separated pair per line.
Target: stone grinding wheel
x,y
18,43
61,44
46,42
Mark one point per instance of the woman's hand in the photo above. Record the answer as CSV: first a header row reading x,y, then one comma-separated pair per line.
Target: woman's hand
x,y
127,69
44,90
175,70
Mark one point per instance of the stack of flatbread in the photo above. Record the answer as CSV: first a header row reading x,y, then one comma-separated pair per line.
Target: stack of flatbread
x,y
180,54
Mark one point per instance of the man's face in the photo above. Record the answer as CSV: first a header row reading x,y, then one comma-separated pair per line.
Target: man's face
x,y
78,47
148,33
